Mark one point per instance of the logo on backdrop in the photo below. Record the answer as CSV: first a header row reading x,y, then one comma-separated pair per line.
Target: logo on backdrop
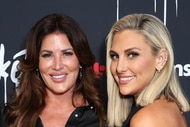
x,y
4,65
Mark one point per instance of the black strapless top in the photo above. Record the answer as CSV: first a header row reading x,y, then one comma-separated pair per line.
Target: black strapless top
x,y
134,110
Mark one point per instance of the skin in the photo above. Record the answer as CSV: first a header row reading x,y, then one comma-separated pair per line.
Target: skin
x,y
59,67
160,113
133,66
58,64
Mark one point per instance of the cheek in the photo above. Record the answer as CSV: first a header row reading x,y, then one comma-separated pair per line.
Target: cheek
x,y
72,64
113,68
73,67
145,66
43,65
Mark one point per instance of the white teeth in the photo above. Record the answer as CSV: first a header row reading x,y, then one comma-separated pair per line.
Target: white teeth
x,y
126,79
58,76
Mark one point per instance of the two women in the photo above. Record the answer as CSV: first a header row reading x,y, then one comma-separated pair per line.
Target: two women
x,y
59,87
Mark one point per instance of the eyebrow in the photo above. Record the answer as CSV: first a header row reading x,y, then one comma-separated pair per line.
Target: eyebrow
x,y
127,50
111,51
64,50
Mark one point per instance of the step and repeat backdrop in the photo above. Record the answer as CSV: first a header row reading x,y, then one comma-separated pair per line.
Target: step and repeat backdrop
x,y
96,18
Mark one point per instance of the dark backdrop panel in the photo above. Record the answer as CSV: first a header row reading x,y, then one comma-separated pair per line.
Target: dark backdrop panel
x,y
96,18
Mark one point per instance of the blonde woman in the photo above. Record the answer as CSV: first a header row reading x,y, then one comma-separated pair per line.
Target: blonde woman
x,y
143,89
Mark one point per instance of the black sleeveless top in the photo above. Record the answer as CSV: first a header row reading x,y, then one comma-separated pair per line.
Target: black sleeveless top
x,y
84,116
81,117
134,110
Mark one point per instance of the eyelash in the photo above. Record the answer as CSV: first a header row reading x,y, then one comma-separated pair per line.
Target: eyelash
x,y
46,55
113,56
130,55
67,53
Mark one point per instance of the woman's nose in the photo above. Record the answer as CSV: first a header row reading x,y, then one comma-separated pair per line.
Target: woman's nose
x,y
121,65
57,63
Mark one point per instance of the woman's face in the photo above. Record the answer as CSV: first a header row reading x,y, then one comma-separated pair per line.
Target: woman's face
x,y
58,64
133,64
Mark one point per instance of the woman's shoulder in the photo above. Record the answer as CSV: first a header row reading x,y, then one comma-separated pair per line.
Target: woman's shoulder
x,y
160,113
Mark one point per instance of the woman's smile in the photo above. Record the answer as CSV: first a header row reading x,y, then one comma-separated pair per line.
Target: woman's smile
x,y
125,79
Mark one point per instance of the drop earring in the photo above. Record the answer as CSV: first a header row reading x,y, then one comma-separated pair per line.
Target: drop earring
x,y
37,72
80,72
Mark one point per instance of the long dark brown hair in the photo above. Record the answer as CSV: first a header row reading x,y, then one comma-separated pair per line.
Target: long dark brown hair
x,y
24,109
